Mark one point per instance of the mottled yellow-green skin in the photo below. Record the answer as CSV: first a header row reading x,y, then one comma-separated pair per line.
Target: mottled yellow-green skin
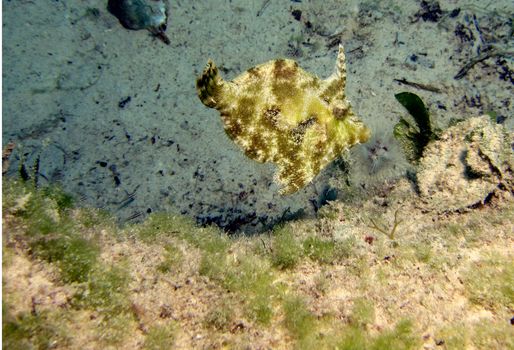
x,y
279,113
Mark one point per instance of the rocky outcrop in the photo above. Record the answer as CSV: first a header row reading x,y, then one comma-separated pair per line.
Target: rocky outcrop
x,y
471,161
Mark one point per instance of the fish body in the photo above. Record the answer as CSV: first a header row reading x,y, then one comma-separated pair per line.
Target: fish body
x,y
279,113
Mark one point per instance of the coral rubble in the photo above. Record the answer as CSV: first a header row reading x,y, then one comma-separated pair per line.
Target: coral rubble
x,y
279,113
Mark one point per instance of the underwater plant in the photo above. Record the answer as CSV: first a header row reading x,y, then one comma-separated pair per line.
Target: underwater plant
x,y
43,330
299,321
160,337
49,230
414,137
286,251
388,232
270,291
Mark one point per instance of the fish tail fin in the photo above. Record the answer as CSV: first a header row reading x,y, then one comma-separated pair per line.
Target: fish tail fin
x,y
209,85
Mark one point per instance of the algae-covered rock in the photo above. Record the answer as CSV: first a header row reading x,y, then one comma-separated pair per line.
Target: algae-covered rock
x,y
470,161
279,113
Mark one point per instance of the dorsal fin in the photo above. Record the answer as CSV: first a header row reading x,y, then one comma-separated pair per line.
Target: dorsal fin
x,y
340,69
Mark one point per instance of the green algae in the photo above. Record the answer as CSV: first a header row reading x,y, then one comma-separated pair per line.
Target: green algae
x,y
490,282
286,250
251,280
50,230
160,337
75,256
37,330
220,317
414,137
297,318
323,251
248,276
106,293
172,259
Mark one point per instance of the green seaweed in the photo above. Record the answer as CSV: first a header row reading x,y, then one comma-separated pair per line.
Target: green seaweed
x,y
322,282
353,339
363,313
49,229
93,218
219,317
320,250
160,337
297,318
286,250
414,137
41,216
251,287
249,275
173,257
162,225
107,293
253,278
260,308
107,290
75,256
43,211
490,282
401,337
64,200
483,334
213,266
37,330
